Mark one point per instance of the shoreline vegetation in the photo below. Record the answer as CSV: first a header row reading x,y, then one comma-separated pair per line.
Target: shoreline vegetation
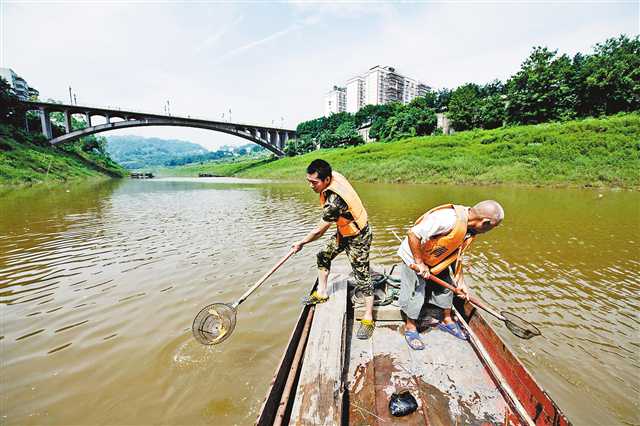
x,y
28,159
593,152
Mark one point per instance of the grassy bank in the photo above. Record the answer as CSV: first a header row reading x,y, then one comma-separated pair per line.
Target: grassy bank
x,y
218,168
591,152
27,159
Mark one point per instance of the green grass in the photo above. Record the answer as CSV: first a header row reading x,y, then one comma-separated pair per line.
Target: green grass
x,y
218,167
27,159
591,152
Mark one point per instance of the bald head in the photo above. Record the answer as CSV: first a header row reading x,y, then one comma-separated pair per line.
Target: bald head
x,y
485,216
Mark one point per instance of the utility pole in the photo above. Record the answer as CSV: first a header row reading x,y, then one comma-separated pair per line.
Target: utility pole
x,y
229,115
70,98
75,100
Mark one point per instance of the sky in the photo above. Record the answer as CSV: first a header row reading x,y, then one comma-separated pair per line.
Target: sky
x,y
271,63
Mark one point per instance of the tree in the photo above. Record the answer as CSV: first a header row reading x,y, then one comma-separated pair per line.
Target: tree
x,y
299,146
347,134
464,107
442,100
409,121
377,125
11,111
542,91
609,80
425,102
492,113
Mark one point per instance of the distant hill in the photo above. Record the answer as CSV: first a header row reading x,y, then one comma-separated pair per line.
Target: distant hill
x,y
135,152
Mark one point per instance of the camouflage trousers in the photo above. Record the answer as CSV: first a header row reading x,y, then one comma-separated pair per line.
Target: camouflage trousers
x,y
357,250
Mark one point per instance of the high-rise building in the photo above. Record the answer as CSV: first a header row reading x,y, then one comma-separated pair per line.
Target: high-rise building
x,y
18,84
356,93
335,101
380,85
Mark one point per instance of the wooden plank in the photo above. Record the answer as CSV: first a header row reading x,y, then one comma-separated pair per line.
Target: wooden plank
x,y
455,387
319,391
361,383
271,403
394,372
380,313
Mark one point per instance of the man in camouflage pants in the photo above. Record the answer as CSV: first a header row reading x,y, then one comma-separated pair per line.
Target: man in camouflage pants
x,y
342,206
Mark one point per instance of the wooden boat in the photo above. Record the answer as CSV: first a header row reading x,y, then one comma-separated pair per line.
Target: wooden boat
x,y
328,377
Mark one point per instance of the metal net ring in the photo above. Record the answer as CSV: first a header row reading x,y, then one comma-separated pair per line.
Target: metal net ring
x,y
214,323
520,327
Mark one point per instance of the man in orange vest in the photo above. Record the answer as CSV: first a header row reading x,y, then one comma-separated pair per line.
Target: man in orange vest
x,y
342,206
434,246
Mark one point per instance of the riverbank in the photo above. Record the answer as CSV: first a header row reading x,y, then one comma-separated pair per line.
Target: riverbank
x,y
27,159
599,152
221,168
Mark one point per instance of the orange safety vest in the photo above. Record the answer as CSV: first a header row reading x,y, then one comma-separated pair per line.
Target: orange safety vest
x,y
341,186
441,251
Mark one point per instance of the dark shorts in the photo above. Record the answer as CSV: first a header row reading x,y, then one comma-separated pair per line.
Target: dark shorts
x,y
415,291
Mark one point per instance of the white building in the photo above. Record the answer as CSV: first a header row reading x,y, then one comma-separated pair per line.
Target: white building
x,y
381,85
356,93
335,101
19,85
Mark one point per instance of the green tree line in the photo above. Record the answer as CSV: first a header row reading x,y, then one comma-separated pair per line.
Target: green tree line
x,y
548,87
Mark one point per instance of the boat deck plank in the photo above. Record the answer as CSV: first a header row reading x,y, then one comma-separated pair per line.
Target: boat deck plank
x,y
447,379
319,388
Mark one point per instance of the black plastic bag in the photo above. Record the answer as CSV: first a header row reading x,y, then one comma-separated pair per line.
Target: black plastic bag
x,y
402,403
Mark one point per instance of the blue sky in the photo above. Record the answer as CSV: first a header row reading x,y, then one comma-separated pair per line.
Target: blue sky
x,y
273,62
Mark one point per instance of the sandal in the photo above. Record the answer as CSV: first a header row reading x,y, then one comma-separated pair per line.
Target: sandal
x,y
366,329
314,299
454,329
413,340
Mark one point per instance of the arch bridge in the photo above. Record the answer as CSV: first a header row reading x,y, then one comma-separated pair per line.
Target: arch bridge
x,y
271,138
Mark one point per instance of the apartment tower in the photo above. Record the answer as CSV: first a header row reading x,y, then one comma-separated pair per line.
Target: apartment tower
x,y
379,85
335,101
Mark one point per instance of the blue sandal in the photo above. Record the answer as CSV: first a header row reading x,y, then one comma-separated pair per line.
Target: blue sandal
x,y
454,329
413,340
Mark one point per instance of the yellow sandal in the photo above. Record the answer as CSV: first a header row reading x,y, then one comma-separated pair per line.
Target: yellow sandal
x,y
314,299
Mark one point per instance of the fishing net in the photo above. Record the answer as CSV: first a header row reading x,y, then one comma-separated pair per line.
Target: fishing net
x,y
214,323
520,327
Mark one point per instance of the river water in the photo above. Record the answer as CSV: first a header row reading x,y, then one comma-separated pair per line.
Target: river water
x,y
99,285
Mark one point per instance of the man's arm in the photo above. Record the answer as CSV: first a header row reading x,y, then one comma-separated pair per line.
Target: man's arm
x,y
416,249
315,233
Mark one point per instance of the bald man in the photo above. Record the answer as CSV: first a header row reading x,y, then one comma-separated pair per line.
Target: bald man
x,y
434,245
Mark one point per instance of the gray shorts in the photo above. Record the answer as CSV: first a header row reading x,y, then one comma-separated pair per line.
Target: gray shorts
x,y
415,291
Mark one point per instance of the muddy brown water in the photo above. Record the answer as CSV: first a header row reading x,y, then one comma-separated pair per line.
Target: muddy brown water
x,y
99,284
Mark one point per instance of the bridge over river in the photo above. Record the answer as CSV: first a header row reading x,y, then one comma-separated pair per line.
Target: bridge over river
x,y
271,138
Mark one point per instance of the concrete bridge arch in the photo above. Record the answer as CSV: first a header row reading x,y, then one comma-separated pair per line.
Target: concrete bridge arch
x,y
271,138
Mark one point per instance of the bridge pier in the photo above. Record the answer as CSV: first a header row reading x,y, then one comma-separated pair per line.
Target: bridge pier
x,y
46,123
67,121
107,118
87,116
285,139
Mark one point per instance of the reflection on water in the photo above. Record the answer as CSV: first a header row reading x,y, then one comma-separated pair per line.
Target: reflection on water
x,y
99,285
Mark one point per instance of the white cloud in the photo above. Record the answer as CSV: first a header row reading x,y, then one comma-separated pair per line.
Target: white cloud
x,y
212,39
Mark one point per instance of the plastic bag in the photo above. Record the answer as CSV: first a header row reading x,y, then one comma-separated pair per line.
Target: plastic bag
x,y
402,403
